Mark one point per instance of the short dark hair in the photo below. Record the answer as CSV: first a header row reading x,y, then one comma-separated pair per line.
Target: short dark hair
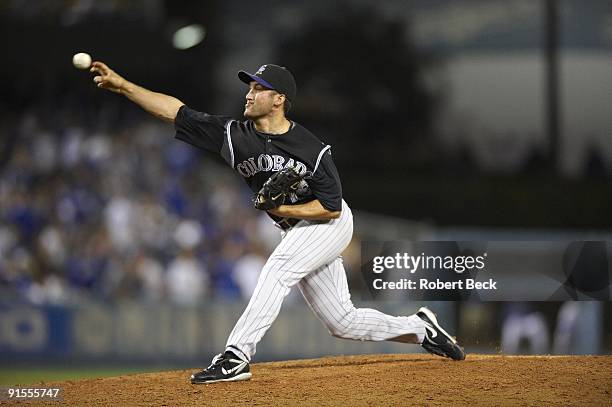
x,y
286,106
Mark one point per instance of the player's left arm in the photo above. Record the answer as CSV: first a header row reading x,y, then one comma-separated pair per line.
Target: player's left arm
x,y
312,210
327,189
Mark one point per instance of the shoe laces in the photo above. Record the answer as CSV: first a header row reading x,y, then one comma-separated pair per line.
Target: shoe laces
x,y
217,360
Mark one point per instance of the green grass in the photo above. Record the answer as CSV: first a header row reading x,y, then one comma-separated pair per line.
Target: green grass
x,y
29,375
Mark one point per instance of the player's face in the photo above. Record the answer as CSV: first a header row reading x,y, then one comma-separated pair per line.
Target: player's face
x,y
259,101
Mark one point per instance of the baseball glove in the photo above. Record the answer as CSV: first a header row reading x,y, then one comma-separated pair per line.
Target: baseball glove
x,y
274,191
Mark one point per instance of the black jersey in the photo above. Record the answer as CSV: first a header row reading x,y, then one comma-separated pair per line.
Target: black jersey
x,y
255,155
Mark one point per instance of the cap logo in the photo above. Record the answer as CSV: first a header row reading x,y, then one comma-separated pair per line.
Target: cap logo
x,y
260,70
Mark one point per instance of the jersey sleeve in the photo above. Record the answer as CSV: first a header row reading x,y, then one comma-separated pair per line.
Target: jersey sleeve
x,y
201,130
325,184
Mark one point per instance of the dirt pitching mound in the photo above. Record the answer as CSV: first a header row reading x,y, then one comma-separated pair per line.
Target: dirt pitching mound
x,y
369,380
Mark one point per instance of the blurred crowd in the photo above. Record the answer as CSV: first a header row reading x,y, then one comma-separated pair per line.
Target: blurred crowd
x,y
93,206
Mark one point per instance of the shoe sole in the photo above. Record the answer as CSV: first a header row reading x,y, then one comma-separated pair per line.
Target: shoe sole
x,y
434,320
237,378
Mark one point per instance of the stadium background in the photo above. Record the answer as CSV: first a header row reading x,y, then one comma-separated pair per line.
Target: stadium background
x,y
121,248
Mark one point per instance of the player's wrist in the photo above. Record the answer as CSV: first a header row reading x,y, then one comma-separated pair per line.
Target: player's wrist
x,y
279,211
125,87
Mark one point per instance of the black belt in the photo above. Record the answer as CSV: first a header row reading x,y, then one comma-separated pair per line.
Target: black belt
x,y
287,223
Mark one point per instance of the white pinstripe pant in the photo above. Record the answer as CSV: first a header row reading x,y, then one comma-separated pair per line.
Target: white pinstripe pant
x,y
309,255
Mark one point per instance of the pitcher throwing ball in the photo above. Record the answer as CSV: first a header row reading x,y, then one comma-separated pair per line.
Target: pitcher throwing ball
x,y
294,179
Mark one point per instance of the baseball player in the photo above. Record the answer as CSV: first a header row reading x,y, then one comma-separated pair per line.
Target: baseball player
x,y
316,223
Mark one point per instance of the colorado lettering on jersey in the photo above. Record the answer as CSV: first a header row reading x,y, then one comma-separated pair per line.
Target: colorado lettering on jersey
x,y
255,156
267,162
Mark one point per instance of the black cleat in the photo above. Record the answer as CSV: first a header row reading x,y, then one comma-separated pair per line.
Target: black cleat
x,y
437,341
225,367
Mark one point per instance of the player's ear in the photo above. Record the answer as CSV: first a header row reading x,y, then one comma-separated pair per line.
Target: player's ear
x,y
279,100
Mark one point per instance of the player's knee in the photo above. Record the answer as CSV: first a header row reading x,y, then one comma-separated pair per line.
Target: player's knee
x,y
340,332
278,273
336,330
277,264
343,327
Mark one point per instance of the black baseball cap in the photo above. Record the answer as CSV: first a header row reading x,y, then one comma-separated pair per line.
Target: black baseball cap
x,y
273,77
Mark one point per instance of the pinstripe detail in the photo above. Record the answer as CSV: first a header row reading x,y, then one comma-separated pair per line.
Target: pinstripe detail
x,y
267,271
335,317
304,237
309,255
388,327
288,270
229,140
327,147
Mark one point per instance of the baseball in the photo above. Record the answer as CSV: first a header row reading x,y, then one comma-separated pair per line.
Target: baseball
x,y
81,60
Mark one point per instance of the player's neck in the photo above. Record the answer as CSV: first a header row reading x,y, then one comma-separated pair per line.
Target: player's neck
x,y
272,124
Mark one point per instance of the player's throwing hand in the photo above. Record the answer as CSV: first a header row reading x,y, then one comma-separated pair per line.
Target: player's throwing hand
x,y
107,78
